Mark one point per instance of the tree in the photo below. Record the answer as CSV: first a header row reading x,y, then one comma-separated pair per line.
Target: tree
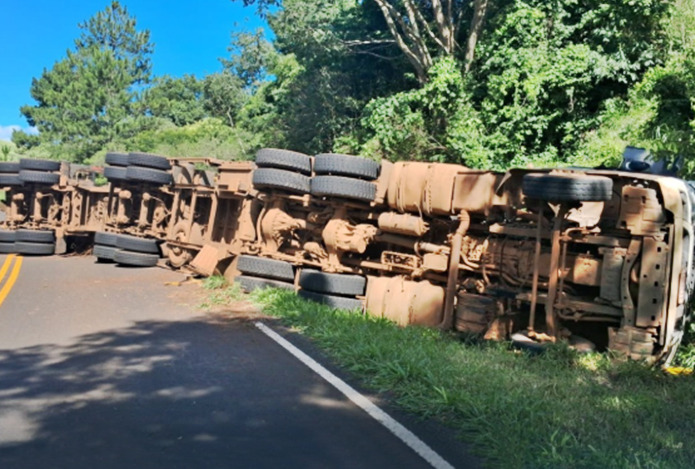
x,y
178,99
224,96
433,123
114,30
659,111
88,99
323,72
422,29
425,28
251,54
546,68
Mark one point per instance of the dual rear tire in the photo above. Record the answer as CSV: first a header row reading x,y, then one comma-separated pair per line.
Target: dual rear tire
x,y
344,176
137,167
260,273
28,242
125,249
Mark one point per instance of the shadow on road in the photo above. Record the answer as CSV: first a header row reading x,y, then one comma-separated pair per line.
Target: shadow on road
x,y
202,393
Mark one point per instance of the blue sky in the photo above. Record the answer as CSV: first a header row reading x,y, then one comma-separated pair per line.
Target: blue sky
x,y
189,37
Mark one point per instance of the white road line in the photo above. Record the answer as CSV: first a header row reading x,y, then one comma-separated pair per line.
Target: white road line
x,y
405,435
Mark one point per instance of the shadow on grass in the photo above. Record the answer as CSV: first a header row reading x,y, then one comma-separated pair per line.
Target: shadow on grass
x,y
203,393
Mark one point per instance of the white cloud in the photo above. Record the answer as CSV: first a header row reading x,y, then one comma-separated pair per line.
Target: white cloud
x,y
6,131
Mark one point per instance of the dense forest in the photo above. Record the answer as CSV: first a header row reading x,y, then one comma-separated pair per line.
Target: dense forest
x,y
485,83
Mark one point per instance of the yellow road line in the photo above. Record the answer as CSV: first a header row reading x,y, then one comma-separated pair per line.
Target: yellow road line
x,y
6,265
11,280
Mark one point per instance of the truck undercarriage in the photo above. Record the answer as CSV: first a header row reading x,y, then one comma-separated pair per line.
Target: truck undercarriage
x,y
601,258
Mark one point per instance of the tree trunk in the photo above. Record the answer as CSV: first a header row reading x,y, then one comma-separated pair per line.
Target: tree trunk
x,y
408,39
479,11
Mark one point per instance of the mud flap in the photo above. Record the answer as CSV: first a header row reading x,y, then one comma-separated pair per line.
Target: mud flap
x,y
61,245
205,262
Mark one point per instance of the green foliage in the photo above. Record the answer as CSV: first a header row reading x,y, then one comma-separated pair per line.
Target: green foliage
x,y
224,96
178,99
221,293
659,111
100,180
88,98
251,55
114,30
214,282
262,6
558,409
209,137
24,140
552,83
686,353
620,125
545,68
323,76
680,26
434,123
261,115
542,74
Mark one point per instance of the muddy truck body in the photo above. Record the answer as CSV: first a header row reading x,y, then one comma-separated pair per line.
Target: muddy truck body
x,y
600,258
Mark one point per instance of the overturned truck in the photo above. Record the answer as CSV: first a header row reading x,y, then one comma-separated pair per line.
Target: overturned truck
x,y
601,258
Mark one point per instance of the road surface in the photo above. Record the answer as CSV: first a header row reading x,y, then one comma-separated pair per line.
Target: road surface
x,y
110,367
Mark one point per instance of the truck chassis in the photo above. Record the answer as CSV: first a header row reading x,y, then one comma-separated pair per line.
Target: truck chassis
x,y
600,258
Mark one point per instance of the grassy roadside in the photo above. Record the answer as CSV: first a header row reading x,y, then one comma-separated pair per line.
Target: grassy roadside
x,y
553,410
220,292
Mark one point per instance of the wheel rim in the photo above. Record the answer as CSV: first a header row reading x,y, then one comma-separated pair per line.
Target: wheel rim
x,y
179,256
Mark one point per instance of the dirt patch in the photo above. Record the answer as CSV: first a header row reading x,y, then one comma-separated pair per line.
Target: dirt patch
x,y
238,310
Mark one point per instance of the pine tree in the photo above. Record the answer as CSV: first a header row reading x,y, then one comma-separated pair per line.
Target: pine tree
x,y
88,99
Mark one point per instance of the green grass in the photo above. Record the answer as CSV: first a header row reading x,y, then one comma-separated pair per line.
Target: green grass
x,y
686,353
215,282
221,292
558,409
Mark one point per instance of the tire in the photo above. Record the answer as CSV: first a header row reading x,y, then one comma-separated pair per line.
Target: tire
x,y
267,268
135,259
6,248
9,167
567,187
249,284
135,244
105,239
148,160
269,178
154,176
348,188
37,249
35,236
117,159
107,253
38,177
338,302
283,159
39,165
10,180
321,282
346,165
8,236
114,173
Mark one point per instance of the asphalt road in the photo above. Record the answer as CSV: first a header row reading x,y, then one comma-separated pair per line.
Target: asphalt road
x,y
107,367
